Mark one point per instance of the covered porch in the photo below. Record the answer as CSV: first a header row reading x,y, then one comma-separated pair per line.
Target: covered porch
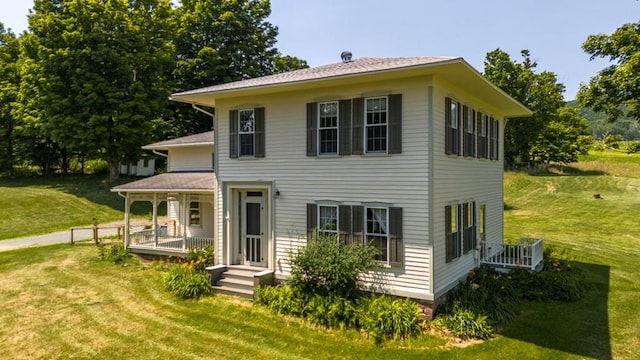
x,y
189,201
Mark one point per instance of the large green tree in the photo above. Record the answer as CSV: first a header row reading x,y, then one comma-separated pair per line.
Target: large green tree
x,y
9,86
220,41
533,140
617,84
99,70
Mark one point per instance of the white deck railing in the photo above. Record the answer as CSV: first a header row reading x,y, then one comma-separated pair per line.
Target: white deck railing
x,y
146,239
527,254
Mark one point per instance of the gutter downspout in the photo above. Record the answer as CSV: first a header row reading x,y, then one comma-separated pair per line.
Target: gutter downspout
x,y
202,110
159,153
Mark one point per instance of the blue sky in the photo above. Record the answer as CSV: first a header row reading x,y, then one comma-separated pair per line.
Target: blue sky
x,y
552,30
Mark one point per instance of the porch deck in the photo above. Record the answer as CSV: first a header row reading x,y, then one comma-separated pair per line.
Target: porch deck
x,y
528,254
146,241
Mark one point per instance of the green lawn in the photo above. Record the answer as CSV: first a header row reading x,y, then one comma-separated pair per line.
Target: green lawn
x,y
33,206
60,302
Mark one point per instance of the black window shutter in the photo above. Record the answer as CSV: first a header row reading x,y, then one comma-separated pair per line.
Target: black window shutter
x,y
478,134
474,226
357,224
466,229
448,234
344,223
447,124
233,133
312,129
395,124
459,132
357,126
497,139
259,133
344,123
486,137
312,221
396,246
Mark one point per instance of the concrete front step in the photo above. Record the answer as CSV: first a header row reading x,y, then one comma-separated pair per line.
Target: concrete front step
x,y
237,281
233,291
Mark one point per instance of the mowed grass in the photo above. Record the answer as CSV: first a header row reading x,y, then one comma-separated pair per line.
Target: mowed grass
x,y
61,302
33,206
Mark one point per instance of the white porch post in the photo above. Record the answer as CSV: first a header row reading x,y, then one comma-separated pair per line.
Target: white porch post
x,y
155,220
126,230
185,219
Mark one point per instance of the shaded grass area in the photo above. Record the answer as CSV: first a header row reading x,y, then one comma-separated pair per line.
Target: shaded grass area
x,y
39,205
602,236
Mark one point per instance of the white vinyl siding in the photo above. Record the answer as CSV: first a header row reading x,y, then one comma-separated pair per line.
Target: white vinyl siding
x,y
190,158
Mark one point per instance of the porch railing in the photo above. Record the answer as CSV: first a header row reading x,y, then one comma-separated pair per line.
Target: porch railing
x,y
527,254
147,239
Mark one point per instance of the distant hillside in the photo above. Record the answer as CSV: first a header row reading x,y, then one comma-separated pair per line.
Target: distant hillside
x,y
627,128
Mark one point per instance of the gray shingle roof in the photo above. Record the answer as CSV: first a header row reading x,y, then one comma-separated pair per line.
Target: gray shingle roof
x,y
357,66
205,138
178,181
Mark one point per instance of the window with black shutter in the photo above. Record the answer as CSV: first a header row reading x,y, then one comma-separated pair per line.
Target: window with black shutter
x,y
453,118
246,133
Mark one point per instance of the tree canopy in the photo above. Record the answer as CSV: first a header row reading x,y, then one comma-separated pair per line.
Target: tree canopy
x,y
91,78
615,90
553,132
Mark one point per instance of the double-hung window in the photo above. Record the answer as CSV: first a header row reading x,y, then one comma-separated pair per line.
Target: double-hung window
x,y
377,226
377,231
376,125
469,136
328,128
460,229
328,220
452,127
194,213
246,133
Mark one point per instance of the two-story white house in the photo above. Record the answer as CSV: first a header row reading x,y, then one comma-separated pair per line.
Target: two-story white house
x,y
404,154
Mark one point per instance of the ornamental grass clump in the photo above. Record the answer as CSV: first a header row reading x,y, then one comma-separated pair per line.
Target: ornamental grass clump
x,y
186,282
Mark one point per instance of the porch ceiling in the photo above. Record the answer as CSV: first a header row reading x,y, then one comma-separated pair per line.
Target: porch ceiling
x,y
172,182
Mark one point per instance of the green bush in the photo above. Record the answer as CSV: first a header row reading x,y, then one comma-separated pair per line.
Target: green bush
x,y
115,253
328,267
186,282
281,299
612,141
200,258
633,147
465,324
387,318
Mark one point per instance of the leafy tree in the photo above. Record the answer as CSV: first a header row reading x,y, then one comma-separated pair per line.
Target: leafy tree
x,y
615,85
540,92
220,41
100,68
562,139
9,86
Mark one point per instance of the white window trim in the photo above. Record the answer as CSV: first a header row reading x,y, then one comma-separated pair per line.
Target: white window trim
x,y
337,209
198,209
386,124
454,119
387,256
337,129
240,132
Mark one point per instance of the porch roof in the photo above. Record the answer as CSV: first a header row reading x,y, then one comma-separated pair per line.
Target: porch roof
x,y
172,182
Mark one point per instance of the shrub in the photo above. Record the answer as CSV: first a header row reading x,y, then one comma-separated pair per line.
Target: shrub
x,y
200,258
465,324
281,299
612,141
633,147
386,318
328,267
186,282
115,253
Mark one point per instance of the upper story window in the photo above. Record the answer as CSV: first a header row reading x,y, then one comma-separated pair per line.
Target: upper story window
x,y
328,128
469,145
246,133
376,125
355,126
494,129
452,117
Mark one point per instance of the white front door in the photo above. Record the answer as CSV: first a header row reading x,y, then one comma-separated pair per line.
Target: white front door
x,y
252,241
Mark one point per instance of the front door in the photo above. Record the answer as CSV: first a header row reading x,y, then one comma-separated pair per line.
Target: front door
x,y
252,242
